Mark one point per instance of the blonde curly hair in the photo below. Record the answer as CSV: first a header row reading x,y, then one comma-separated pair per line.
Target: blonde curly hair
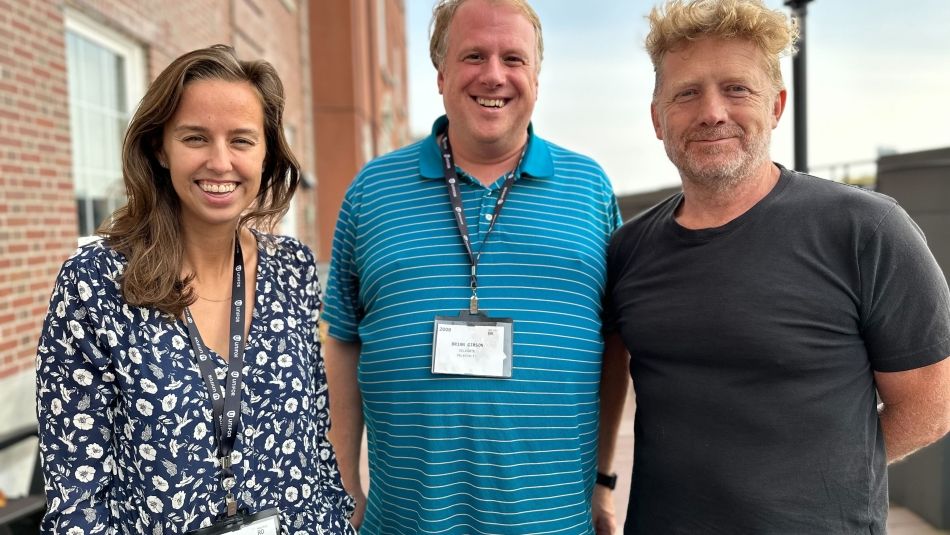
x,y
679,21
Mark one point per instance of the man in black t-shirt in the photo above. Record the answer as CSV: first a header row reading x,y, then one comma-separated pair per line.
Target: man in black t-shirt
x,y
765,310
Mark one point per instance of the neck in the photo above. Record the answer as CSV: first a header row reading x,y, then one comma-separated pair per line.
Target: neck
x,y
486,162
705,207
209,253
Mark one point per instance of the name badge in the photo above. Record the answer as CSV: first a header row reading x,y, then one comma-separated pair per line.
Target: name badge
x,y
263,523
472,344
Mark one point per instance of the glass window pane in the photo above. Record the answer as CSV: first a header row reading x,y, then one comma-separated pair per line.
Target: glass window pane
x,y
98,119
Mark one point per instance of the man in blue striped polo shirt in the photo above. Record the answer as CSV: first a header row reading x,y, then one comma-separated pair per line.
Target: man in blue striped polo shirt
x,y
471,346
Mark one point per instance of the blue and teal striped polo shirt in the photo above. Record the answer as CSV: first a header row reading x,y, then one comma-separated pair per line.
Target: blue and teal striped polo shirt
x,y
467,455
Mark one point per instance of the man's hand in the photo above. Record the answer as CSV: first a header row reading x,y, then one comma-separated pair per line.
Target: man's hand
x,y
602,511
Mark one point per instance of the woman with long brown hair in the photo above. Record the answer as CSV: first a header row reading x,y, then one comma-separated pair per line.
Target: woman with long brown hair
x,y
179,378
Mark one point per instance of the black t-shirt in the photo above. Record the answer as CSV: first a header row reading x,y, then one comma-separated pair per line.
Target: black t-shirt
x,y
752,350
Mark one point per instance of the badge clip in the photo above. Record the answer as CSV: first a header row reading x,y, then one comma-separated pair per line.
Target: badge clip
x,y
231,504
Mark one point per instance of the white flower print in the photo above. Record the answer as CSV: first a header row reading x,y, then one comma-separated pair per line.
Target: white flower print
x,y
85,473
83,421
291,405
324,454
159,444
155,504
147,452
169,402
148,386
178,499
159,483
84,291
76,329
291,494
94,451
83,377
321,402
288,447
144,407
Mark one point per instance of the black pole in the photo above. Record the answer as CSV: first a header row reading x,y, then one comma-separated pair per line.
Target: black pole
x,y
800,87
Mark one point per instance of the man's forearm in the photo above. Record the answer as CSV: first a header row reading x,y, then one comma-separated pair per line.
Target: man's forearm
x,y
916,407
614,380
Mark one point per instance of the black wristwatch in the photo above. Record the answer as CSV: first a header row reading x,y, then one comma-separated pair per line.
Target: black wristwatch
x,y
609,481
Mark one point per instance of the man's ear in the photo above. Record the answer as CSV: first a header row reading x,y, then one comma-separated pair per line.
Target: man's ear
x,y
778,107
655,116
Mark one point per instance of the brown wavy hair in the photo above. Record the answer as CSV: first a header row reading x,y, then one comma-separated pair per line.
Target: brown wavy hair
x,y
147,230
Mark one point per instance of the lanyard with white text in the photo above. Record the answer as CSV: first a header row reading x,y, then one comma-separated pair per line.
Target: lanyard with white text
x,y
226,410
455,197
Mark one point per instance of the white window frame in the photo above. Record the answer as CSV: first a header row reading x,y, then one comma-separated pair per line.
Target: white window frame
x,y
131,52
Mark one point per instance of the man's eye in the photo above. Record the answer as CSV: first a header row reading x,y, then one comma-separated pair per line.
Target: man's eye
x,y
192,139
737,89
514,60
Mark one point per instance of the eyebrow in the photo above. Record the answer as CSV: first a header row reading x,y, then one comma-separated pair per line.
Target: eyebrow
x,y
203,130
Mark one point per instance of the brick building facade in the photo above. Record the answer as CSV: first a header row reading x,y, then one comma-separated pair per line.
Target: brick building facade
x,y
71,72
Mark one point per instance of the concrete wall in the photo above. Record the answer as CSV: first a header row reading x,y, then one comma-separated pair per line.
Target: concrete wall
x,y
920,182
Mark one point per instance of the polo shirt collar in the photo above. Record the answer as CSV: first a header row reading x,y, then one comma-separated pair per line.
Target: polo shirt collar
x,y
537,161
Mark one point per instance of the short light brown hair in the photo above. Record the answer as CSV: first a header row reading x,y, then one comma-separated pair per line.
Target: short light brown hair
x,y
679,21
444,12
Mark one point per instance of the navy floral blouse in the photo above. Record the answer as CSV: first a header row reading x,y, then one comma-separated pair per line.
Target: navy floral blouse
x,y
126,436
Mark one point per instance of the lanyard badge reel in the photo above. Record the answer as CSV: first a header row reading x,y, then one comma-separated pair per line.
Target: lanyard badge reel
x,y
226,412
472,343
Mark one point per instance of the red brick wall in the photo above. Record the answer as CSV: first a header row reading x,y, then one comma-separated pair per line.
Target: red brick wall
x,y
37,206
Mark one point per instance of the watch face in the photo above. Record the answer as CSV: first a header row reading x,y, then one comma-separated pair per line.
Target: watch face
x,y
609,481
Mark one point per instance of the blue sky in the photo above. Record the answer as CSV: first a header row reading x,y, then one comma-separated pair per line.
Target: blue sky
x,y
878,76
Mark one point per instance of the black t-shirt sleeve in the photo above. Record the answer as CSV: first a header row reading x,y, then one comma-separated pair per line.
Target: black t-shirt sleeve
x,y
905,303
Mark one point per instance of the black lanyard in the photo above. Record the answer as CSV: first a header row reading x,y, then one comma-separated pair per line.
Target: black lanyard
x,y
455,197
226,410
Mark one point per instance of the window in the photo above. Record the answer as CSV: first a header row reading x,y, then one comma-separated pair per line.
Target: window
x,y
106,76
